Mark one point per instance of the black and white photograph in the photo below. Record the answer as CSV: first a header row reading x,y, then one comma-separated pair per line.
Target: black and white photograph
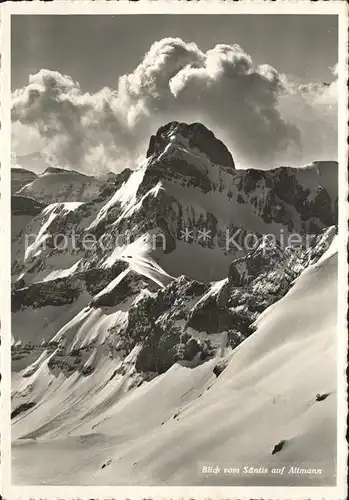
x,y
178,213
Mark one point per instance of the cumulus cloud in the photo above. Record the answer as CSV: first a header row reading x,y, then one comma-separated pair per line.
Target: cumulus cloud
x,y
264,117
82,130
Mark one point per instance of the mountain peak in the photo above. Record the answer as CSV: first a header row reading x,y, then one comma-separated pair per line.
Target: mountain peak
x,y
61,170
195,136
55,170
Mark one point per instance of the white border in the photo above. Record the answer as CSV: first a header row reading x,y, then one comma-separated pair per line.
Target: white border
x,y
200,7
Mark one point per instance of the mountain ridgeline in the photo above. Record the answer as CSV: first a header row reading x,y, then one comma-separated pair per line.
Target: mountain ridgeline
x,y
161,279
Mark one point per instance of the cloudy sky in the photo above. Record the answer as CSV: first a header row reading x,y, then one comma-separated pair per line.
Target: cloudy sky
x,y
89,90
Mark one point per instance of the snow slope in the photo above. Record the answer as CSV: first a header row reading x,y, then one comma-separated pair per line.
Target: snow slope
x,y
181,186
20,177
164,431
117,346
60,185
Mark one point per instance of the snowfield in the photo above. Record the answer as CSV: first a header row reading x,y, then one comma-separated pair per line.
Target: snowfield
x,y
150,358
166,430
60,185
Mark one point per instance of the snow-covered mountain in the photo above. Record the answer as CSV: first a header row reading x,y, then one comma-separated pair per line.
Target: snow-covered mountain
x,y
139,294
55,185
183,193
35,162
20,177
276,390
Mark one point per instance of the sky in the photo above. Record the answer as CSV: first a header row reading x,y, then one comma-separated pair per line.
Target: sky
x,y
95,51
304,45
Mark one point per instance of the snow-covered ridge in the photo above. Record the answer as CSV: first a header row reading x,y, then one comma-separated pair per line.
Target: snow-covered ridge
x,y
20,177
56,185
158,326
254,387
179,189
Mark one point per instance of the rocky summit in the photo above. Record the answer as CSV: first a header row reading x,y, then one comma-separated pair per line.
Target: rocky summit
x,y
160,238
120,279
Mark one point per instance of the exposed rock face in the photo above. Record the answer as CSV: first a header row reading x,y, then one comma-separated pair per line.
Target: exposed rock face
x,y
184,203
255,282
145,293
183,188
288,191
197,136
